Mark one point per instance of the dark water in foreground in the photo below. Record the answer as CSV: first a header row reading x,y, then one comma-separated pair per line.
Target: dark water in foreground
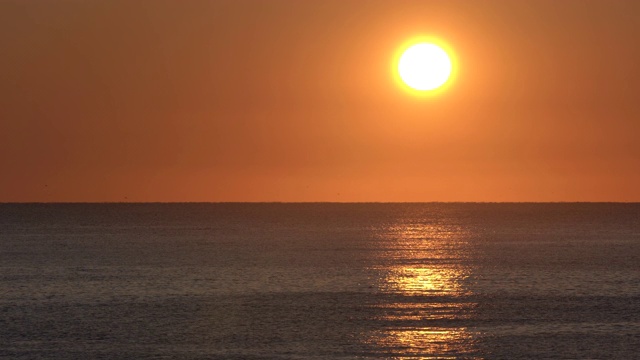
x,y
319,281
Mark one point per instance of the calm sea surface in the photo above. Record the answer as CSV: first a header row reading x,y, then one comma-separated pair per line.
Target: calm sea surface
x,y
319,281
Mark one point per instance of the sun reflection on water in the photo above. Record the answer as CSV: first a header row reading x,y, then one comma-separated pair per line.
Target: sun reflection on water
x,y
425,259
423,271
426,343
414,280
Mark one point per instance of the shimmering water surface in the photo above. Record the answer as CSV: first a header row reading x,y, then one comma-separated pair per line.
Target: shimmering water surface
x,y
319,281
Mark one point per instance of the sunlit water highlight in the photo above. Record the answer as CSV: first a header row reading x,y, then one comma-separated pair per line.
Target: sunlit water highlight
x,y
428,262
319,281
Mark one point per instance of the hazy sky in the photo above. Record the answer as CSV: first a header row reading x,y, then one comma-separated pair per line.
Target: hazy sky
x,y
295,101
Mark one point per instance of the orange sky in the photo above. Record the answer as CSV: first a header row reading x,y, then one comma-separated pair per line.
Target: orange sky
x,y
294,101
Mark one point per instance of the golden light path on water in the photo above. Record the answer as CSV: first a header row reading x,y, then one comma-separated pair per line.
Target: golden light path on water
x,y
430,256
426,282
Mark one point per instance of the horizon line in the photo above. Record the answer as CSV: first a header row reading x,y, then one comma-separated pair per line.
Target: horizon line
x,y
312,202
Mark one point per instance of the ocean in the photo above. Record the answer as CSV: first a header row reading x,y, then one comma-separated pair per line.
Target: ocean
x,y
320,281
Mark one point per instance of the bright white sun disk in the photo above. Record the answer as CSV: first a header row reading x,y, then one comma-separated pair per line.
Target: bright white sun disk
x,y
424,67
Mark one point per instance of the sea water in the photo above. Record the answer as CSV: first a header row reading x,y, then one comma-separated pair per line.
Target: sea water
x,y
319,281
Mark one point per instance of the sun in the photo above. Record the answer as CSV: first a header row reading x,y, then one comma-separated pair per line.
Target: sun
x,y
424,66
